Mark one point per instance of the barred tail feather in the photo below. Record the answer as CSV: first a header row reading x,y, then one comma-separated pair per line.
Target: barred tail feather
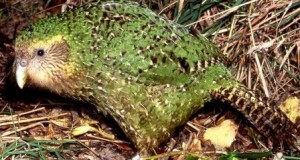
x,y
270,122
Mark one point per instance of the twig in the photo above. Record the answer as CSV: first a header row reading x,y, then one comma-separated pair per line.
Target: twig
x,y
260,72
21,129
13,117
107,140
32,120
286,56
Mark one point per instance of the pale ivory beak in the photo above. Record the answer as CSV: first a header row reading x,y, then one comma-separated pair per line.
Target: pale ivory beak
x,y
21,75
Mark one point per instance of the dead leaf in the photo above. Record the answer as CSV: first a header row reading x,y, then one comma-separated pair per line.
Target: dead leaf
x,y
291,107
222,135
87,128
82,130
63,122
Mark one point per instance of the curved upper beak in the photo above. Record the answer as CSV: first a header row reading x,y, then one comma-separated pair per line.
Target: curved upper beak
x,y
21,75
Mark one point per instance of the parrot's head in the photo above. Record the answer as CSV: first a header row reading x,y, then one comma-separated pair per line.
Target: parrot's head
x,y
47,53
42,63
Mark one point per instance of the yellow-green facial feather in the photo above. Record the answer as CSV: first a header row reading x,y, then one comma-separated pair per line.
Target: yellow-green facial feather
x,y
43,63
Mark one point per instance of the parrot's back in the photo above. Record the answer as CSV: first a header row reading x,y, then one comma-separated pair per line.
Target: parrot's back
x,y
151,74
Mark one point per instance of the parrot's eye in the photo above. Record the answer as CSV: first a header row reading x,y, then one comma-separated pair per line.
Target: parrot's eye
x,y
40,52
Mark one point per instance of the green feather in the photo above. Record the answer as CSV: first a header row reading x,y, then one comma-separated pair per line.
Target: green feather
x,y
148,73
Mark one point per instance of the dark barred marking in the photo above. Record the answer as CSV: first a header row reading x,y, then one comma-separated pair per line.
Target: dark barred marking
x,y
269,121
96,38
184,65
108,19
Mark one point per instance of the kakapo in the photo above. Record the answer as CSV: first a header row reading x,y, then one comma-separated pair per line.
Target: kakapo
x,y
148,73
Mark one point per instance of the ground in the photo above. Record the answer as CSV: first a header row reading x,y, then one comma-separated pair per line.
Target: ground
x,y
260,38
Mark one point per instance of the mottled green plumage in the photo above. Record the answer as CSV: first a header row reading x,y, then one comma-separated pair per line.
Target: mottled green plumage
x,y
148,73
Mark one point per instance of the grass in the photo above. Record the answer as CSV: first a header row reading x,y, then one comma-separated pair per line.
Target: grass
x,y
35,149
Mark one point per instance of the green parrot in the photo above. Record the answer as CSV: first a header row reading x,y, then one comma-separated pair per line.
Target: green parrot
x,y
150,74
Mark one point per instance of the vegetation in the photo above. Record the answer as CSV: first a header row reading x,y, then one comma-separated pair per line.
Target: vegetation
x,y
261,39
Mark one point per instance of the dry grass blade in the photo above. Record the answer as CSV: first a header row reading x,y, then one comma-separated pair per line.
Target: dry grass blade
x,y
180,7
260,71
32,120
14,117
222,14
107,140
32,125
286,56
168,6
